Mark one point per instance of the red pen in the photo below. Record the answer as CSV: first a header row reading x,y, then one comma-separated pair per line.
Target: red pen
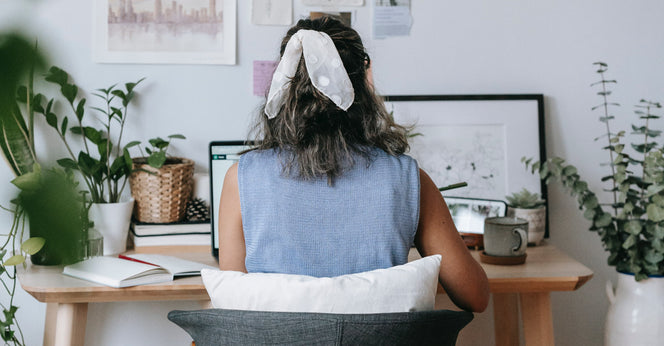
x,y
135,260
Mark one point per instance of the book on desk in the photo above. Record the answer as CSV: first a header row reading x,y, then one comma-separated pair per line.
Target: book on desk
x,y
134,269
144,236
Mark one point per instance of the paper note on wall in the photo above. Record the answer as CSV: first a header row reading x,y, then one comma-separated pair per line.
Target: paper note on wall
x,y
391,18
272,12
263,71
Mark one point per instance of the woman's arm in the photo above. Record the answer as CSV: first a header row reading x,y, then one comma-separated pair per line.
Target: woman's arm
x,y
460,275
231,237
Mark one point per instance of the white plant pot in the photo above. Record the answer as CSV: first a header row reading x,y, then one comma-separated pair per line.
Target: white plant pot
x,y
536,222
636,314
112,220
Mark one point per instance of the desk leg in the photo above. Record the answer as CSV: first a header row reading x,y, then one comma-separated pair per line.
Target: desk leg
x,y
506,318
49,323
65,324
537,318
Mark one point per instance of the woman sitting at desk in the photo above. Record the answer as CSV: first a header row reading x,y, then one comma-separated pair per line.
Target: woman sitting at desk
x,y
329,190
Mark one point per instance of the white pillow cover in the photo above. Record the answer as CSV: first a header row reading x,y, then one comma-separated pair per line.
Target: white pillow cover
x,y
408,287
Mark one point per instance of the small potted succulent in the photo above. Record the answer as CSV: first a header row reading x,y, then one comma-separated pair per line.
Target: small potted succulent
x,y
531,207
162,185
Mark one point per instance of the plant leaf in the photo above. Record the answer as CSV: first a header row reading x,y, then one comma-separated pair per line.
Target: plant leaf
x,y
14,260
33,245
157,159
655,213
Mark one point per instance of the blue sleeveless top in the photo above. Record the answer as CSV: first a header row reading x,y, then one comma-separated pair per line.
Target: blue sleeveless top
x,y
366,220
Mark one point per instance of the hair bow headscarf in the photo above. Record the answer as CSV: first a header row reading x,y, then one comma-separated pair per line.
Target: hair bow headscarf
x,y
326,71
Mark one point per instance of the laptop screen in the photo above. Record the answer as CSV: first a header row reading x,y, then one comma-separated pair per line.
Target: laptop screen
x,y
223,154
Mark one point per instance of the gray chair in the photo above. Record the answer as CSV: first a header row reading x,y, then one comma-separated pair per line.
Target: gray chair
x,y
238,327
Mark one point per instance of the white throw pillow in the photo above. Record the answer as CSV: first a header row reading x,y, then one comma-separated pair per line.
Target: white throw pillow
x,y
408,287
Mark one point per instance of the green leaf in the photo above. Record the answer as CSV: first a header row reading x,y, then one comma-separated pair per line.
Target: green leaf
x,y
132,144
68,163
157,159
63,128
654,256
127,158
580,186
57,75
629,242
158,143
69,91
52,120
16,144
659,232
604,220
591,202
569,170
14,260
655,213
633,227
33,245
93,135
29,181
178,136
80,110
654,189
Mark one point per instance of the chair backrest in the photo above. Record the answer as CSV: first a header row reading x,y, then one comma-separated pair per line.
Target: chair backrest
x,y
239,327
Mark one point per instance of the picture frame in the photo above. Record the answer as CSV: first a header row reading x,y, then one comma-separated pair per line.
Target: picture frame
x,y
161,32
477,139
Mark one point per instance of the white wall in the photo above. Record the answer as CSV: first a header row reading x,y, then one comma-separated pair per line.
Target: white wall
x,y
455,47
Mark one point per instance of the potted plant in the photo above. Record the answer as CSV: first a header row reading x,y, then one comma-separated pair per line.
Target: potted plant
x,y
631,225
103,162
18,59
161,185
530,207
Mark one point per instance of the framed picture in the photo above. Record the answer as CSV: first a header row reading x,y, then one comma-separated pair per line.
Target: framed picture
x,y
166,32
477,139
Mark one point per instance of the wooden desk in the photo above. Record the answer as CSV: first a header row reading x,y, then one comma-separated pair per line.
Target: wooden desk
x,y
546,269
527,287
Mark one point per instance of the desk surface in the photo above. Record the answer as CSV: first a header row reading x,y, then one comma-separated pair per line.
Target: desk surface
x,y
546,269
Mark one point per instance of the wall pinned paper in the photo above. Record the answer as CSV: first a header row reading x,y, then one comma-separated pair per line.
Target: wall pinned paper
x,y
263,71
391,18
272,12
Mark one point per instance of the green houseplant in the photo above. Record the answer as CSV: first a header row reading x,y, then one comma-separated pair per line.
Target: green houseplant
x,y
102,161
631,225
17,59
531,207
162,185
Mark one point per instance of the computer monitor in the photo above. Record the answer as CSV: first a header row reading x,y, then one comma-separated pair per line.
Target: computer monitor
x,y
223,154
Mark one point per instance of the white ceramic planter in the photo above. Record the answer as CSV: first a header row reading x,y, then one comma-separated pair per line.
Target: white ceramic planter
x,y
636,314
112,220
536,222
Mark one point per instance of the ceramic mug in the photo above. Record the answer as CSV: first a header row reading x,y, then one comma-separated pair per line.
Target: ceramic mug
x,y
505,236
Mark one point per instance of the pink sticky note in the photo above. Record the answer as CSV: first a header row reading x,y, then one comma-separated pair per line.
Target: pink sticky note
x,y
263,71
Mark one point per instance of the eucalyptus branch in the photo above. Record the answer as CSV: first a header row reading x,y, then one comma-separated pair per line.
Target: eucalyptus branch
x,y
605,105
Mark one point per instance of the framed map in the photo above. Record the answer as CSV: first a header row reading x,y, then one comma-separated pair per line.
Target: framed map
x,y
167,32
477,139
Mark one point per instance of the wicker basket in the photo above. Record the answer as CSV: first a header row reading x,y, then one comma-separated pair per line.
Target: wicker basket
x,y
161,195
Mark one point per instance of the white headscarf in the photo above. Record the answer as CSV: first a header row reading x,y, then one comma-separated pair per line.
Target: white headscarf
x,y
326,71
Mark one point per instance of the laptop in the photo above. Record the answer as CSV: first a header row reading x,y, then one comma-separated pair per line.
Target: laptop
x,y
223,154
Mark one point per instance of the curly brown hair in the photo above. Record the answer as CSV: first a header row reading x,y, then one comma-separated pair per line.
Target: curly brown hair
x,y
316,137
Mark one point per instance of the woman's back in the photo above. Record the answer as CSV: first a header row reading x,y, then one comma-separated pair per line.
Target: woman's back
x,y
365,220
